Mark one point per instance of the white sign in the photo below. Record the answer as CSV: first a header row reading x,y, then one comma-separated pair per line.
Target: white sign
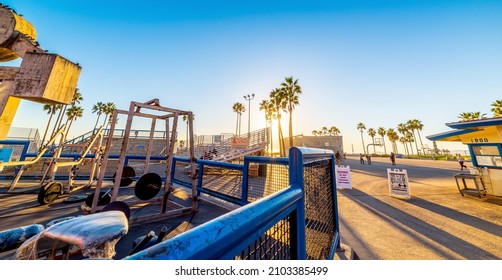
x,y
343,177
398,183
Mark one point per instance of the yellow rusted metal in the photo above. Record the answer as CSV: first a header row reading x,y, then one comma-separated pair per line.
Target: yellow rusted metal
x,y
11,25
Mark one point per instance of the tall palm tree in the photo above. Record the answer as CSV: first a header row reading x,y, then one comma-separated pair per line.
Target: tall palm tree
x,y
265,105
185,119
77,97
372,133
291,90
51,110
410,139
403,141
361,127
382,132
239,109
279,103
73,113
497,108
404,130
418,126
411,128
108,111
393,137
98,108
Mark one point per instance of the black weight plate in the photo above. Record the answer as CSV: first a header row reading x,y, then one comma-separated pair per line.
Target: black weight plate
x,y
104,198
127,174
118,206
75,198
148,186
49,192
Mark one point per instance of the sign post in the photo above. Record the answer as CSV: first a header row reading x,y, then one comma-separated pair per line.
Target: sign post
x,y
343,177
398,183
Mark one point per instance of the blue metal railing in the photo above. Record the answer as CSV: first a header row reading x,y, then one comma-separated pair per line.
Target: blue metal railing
x,y
24,143
232,235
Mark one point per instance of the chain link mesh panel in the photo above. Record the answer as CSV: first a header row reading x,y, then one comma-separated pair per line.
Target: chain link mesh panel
x,y
273,245
266,180
319,212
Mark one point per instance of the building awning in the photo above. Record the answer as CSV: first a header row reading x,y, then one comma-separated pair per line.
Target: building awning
x,y
479,128
453,135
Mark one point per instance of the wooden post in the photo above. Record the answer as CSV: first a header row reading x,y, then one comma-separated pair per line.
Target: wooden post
x,y
105,161
123,152
150,146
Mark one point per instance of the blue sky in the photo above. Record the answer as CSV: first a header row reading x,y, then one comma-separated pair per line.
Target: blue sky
x,y
377,62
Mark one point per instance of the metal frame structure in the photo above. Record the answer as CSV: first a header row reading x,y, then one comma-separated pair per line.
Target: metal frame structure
x,y
135,110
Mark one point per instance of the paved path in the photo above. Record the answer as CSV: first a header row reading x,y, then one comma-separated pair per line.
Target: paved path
x,y
436,223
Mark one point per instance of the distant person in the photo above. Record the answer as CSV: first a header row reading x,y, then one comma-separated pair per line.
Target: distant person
x,y
392,158
361,159
344,155
368,158
461,162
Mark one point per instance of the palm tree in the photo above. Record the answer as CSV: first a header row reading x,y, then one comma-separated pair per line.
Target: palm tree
x,y
279,103
51,110
73,113
393,137
478,115
324,131
372,133
404,130
77,97
412,126
403,141
471,116
185,119
291,90
334,131
381,131
99,109
361,127
410,139
314,132
465,116
418,126
108,111
497,108
266,105
239,109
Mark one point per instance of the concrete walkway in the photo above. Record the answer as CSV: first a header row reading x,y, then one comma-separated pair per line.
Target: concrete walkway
x,y
437,223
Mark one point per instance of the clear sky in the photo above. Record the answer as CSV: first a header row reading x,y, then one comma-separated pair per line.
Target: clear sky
x,y
376,62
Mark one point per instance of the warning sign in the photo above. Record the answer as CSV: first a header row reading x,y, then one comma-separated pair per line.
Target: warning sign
x,y
343,177
398,183
239,143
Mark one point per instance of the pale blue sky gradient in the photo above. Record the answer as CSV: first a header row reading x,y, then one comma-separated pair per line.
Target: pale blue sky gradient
x,y
377,62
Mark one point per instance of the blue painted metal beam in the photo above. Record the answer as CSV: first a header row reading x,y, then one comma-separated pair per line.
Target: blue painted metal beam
x,y
227,235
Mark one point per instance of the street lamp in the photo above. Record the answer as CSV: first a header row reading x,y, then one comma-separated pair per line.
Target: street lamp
x,y
249,98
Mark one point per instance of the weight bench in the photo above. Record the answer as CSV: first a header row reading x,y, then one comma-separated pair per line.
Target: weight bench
x,y
94,236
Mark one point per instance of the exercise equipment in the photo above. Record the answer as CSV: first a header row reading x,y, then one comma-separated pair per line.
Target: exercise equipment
x,y
150,184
